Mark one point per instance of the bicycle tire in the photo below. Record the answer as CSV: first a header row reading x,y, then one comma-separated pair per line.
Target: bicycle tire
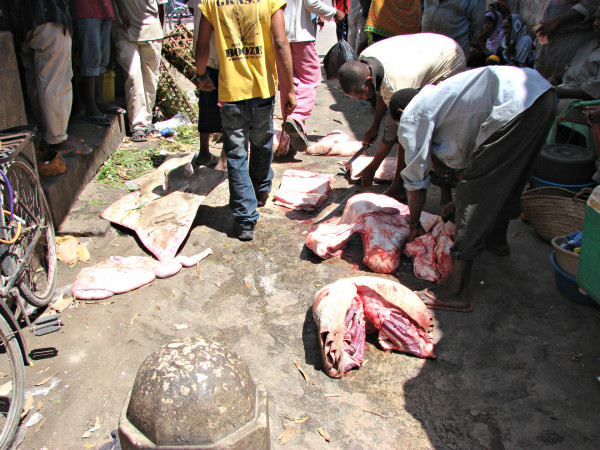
x,y
14,368
39,276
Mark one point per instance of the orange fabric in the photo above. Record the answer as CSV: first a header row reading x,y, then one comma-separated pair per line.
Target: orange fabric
x,y
391,18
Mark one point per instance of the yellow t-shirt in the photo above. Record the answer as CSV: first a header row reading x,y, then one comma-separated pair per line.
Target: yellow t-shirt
x,y
244,46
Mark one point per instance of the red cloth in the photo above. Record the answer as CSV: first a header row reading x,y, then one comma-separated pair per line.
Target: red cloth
x,y
92,9
342,5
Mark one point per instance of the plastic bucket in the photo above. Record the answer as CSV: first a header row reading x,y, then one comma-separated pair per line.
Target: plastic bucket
x,y
536,182
567,285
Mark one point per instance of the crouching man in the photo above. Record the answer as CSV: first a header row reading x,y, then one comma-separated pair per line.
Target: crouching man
x,y
491,123
250,39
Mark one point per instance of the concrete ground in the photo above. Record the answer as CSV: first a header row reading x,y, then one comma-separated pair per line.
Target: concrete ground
x,y
520,371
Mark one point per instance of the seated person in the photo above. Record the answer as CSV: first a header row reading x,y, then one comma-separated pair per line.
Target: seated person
x,y
488,41
517,44
581,77
412,60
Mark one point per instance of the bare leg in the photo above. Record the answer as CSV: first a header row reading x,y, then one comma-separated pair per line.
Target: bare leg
x,y
396,190
204,156
88,85
455,295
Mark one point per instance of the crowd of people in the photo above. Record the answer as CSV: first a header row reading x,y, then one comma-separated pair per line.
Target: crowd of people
x,y
466,87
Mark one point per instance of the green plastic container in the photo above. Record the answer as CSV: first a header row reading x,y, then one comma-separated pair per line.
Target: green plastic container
x,y
588,274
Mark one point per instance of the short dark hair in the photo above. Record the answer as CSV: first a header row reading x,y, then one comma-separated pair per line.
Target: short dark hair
x,y
353,76
400,101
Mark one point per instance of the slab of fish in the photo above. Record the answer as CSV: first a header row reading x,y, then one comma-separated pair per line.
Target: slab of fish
x,y
345,311
117,275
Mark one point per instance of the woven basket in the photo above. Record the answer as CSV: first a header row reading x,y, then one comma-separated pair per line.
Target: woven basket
x,y
178,50
554,211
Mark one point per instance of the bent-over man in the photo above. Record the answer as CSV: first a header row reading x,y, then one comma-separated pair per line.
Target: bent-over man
x,y
491,123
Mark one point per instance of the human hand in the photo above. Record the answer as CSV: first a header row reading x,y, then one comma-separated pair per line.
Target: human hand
x,y
366,176
320,23
415,233
289,103
447,212
206,85
370,135
546,27
339,16
592,114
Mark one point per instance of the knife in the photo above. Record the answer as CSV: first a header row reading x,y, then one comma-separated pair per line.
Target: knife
x,y
333,209
357,154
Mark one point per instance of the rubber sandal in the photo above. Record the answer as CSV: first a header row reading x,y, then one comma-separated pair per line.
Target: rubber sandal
x,y
81,149
115,110
151,131
139,136
298,141
97,120
213,160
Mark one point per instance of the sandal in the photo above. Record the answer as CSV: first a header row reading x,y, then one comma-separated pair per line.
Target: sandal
x,y
151,131
114,109
101,120
212,161
71,146
139,136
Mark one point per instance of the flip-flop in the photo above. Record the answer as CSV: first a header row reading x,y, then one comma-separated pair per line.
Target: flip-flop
x,y
213,160
151,131
97,120
82,149
139,136
114,109
426,296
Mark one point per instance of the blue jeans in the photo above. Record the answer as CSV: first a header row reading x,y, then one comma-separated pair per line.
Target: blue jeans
x,y
243,121
94,45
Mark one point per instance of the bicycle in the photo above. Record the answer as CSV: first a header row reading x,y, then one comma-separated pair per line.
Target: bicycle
x,y
177,13
27,270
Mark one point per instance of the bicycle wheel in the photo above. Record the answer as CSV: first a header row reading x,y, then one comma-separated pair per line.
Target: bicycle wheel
x,y
39,277
12,384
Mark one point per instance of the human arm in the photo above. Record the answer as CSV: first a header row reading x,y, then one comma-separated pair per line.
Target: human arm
x,y
322,9
125,21
380,109
205,31
283,56
564,91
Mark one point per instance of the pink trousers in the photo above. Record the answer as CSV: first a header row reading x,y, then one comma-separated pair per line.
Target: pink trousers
x,y
307,76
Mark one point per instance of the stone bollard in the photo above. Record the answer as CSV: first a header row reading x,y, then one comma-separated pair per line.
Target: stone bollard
x,y
194,394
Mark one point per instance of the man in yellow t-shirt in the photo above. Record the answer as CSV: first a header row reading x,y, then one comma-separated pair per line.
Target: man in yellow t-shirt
x,y
250,39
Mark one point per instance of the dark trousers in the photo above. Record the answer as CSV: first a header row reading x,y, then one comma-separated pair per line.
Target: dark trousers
x,y
491,186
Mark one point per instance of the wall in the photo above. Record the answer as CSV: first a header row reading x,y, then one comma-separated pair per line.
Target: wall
x,y
529,10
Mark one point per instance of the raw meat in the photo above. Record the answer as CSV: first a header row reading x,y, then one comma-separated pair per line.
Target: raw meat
x,y
117,274
385,172
285,143
431,253
300,189
382,223
163,210
335,143
345,311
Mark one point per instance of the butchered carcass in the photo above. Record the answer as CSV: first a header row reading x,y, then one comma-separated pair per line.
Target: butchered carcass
x,y
301,189
432,260
385,171
336,143
382,223
117,275
345,311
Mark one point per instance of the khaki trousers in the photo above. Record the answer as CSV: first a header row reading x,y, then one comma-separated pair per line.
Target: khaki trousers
x,y
141,62
47,61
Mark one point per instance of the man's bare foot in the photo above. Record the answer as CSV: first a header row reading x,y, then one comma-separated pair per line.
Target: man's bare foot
x,y
208,160
443,298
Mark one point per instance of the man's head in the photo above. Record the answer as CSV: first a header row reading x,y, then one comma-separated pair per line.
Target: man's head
x,y
356,80
400,101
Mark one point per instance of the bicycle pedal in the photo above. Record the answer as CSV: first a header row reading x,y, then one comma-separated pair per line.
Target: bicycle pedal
x,y
46,330
46,319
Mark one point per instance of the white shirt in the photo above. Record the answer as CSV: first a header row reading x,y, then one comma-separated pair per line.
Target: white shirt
x,y
298,23
453,119
414,60
144,24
